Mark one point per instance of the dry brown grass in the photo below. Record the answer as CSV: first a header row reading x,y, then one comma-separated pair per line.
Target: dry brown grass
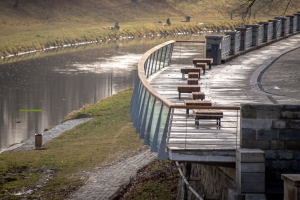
x,y
41,24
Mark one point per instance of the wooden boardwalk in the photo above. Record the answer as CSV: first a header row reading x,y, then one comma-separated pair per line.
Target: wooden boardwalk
x,y
230,84
185,136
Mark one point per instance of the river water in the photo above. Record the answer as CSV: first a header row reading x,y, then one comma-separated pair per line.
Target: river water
x,y
37,92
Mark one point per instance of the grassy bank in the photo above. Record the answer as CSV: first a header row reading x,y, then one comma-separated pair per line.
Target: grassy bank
x,y
60,169
34,25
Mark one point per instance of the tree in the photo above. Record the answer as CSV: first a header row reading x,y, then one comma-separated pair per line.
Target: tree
x,y
247,7
16,3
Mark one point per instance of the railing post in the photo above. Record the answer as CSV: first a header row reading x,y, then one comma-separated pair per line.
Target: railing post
x,y
283,25
297,21
266,29
293,25
256,33
276,28
246,37
235,41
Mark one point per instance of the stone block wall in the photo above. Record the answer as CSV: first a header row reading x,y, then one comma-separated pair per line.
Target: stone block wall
x,y
276,130
211,181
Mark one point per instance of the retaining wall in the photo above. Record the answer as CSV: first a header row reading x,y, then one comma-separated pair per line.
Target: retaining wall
x,y
211,181
275,129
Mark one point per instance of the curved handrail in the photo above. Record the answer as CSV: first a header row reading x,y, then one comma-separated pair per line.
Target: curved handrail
x,y
142,74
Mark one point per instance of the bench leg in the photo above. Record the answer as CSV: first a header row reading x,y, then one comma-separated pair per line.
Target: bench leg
x,y
209,66
218,123
183,76
203,70
187,112
179,95
197,121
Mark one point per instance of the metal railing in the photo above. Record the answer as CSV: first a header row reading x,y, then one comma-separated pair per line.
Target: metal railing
x,y
260,33
279,28
248,36
237,42
225,46
293,25
270,31
150,111
287,25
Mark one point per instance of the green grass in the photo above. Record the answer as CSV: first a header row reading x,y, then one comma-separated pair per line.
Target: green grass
x,y
108,136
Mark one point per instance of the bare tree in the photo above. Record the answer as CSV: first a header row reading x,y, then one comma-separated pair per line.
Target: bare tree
x,y
16,3
247,7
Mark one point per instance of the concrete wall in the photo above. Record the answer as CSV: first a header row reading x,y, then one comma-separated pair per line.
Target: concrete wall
x,y
276,130
211,181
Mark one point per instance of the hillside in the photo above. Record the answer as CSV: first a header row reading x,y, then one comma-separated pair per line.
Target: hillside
x,y
30,12
38,24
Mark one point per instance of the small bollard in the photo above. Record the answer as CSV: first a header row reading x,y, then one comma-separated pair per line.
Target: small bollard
x,y
38,141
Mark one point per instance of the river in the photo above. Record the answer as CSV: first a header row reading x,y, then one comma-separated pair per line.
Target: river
x,y
38,91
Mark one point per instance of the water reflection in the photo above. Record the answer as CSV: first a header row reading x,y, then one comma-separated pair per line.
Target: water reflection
x,y
60,81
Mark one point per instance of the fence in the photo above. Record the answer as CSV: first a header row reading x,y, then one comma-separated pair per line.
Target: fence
x,y
260,34
251,35
270,31
225,46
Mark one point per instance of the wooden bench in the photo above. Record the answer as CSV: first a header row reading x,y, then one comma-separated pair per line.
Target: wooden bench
x,y
196,103
187,70
202,65
187,89
208,61
208,114
193,75
198,95
192,81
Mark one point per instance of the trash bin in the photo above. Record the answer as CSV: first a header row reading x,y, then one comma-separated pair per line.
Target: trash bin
x,y
38,141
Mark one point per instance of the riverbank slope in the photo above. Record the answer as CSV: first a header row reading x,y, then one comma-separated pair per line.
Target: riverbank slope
x,y
28,25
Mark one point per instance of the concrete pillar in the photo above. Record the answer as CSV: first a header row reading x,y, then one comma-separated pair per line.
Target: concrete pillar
x,y
266,27
250,171
291,186
256,40
234,41
244,33
298,21
214,48
276,26
292,24
284,27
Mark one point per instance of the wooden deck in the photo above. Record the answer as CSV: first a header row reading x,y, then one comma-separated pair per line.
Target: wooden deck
x,y
185,136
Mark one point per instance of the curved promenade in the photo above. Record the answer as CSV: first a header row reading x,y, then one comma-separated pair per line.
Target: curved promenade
x,y
268,75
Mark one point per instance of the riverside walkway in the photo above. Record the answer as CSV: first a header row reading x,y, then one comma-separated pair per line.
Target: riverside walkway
x,y
268,75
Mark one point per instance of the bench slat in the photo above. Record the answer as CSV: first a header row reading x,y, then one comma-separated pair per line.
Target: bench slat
x,y
187,89
208,114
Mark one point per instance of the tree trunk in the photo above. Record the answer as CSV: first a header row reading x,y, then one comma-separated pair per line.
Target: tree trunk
x,y
16,3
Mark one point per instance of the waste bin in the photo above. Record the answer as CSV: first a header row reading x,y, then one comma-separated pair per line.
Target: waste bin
x,y
38,141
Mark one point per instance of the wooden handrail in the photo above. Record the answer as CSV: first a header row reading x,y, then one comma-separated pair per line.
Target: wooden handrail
x,y
206,107
142,74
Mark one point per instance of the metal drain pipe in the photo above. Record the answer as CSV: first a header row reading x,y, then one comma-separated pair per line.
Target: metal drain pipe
x,y
186,182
